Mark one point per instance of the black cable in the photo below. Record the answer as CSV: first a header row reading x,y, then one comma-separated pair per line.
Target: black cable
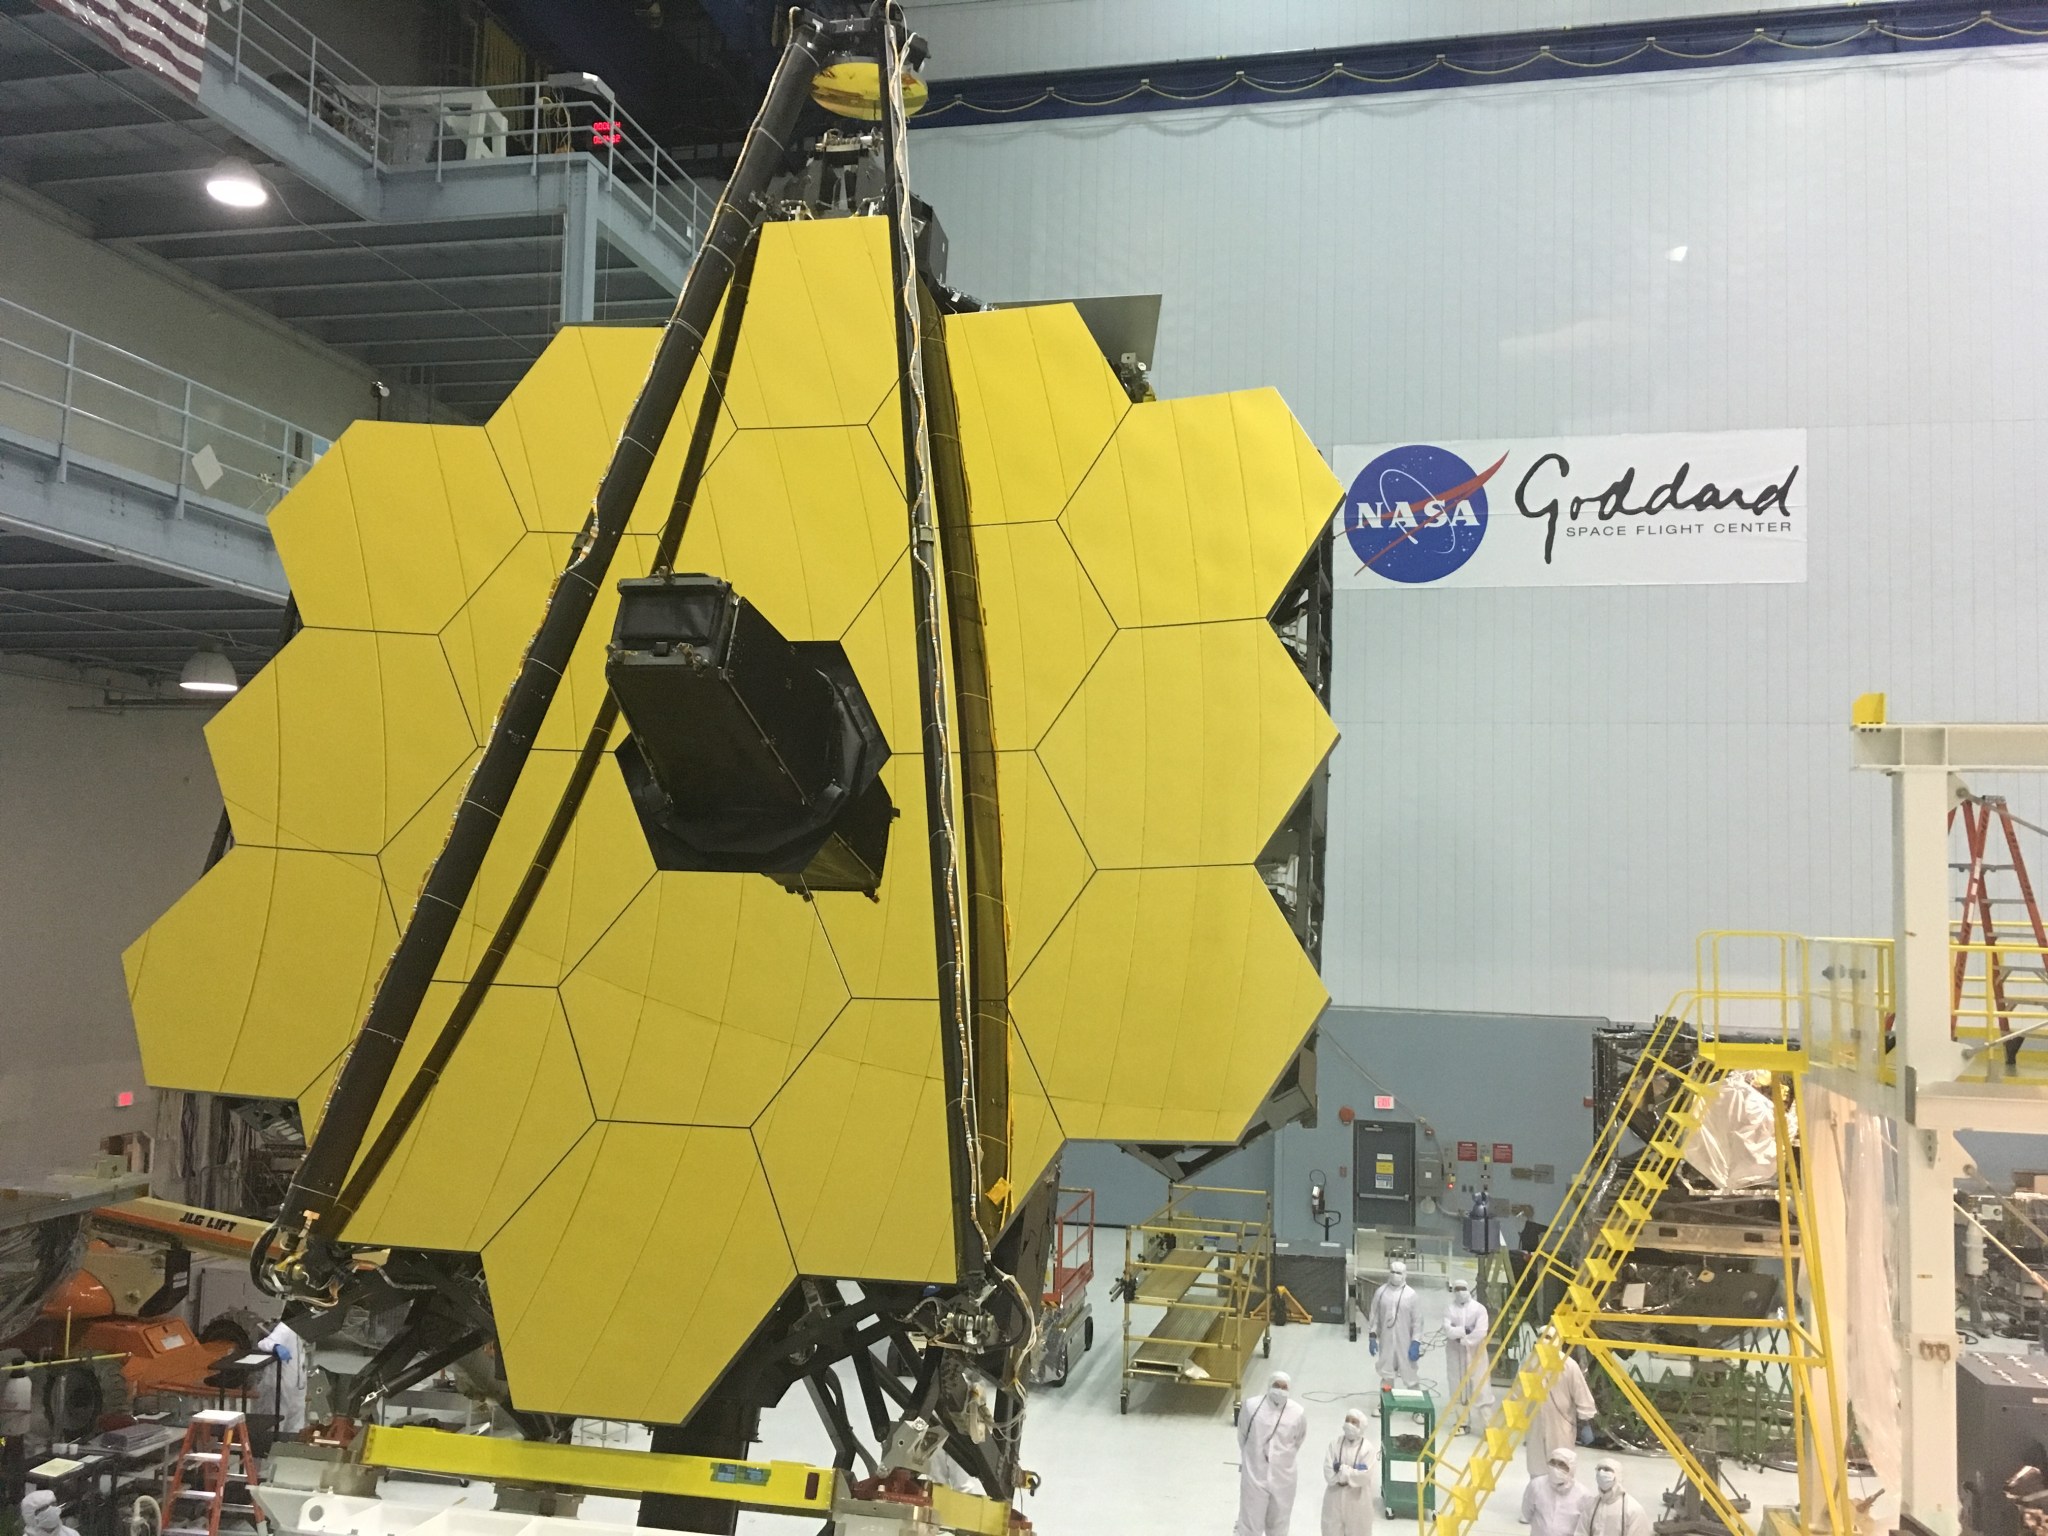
x,y
478,987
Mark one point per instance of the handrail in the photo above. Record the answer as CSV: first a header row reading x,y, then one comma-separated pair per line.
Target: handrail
x,y
394,127
1566,1229
1761,1008
90,399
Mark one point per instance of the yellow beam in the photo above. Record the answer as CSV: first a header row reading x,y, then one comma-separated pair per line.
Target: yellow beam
x,y
969,1512
1750,1056
786,1486
1602,1346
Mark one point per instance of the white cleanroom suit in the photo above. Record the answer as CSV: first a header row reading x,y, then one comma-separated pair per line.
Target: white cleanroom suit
x,y
1351,1480
1270,1430
1391,1330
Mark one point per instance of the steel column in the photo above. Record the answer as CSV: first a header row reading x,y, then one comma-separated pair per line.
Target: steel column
x,y
579,244
1926,1228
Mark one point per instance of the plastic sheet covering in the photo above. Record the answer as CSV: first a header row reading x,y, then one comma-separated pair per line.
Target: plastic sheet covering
x,y
33,1259
1736,1145
1846,1154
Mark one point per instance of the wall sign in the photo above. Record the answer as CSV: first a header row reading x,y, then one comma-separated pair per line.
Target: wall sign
x,y
1573,511
1468,1151
1503,1152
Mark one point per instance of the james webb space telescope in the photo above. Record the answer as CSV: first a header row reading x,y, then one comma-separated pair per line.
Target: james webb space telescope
x,y
631,1062
748,752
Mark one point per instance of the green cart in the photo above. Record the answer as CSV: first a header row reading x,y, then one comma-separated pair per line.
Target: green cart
x,y
1403,1496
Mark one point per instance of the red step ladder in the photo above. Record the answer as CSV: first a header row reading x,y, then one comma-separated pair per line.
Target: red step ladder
x,y
2015,981
216,1448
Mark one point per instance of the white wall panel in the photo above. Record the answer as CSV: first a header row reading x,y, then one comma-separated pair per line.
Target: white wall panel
x,y
105,819
145,305
1002,37
1542,795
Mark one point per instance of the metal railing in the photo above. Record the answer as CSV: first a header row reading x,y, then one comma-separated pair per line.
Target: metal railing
x,y
96,405
1849,1006
401,127
1750,983
2000,996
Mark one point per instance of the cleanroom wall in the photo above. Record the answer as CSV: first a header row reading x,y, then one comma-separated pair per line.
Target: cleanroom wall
x,y
1544,794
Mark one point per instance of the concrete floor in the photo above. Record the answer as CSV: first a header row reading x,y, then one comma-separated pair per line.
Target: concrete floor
x,y
1169,1466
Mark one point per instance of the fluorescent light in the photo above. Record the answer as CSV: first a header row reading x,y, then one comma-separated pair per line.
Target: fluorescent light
x,y
235,182
1677,253
208,672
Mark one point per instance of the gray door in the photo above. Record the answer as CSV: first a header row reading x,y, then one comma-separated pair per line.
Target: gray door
x,y
1383,1172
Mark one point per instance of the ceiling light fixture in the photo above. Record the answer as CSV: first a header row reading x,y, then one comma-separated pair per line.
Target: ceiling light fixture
x,y
1677,253
208,672
235,182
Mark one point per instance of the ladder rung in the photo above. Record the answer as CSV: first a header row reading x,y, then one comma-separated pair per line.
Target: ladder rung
x,y
1500,1445
1655,1183
205,1456
1601,1270
1665,1151
195,1493
1616,1237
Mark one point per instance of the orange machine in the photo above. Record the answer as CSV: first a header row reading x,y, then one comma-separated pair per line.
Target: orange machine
x,y
87,1314
115,1311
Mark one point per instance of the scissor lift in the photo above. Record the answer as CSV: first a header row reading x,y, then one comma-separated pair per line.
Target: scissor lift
x,y
1066,1325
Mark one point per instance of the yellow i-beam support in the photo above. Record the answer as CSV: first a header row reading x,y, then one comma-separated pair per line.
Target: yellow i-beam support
x,y
783,1487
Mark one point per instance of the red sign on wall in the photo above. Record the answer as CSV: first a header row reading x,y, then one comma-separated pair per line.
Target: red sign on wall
x,y
1468,1151
1503,1152
1383,1101
605,132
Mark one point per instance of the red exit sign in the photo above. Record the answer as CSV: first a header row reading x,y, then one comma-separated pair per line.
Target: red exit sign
x,y
1383,1101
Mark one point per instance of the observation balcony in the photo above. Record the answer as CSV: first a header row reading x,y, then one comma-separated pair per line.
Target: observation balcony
x,y
132,507
441,236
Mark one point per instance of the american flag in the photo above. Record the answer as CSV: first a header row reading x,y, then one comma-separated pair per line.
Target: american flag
x,y
165,37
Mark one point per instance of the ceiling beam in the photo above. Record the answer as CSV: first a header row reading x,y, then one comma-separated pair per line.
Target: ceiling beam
x,y
454,244
122,640
454,280
14,130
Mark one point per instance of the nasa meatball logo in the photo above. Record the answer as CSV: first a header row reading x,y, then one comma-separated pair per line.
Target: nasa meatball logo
x,y
1417,513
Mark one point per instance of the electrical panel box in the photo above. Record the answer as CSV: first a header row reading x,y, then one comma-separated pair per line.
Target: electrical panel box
x,y
1429,1175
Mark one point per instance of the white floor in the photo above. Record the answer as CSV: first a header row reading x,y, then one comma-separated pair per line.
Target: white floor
x,y
1169,1466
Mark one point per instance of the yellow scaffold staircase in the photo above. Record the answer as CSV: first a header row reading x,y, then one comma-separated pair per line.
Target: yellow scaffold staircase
x,y
1471,1448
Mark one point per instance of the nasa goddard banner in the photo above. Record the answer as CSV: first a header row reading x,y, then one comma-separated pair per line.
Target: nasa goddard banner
x,y
1574,511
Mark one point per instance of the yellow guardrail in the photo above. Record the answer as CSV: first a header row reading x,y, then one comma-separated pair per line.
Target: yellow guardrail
x,y
1751,984
2000,993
